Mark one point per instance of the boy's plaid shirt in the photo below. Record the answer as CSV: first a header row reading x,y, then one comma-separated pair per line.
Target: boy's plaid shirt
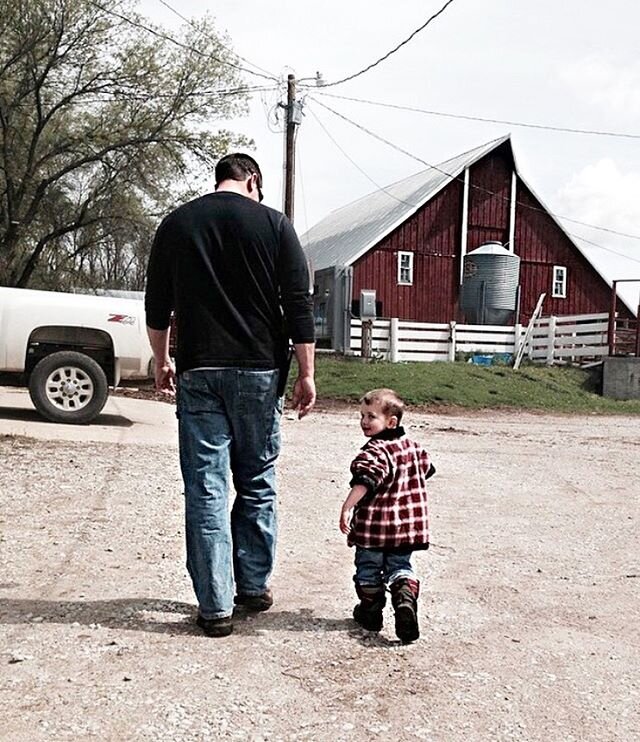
x,y
394,512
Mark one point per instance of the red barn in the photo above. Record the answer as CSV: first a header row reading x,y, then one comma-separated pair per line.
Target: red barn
x,y
407,242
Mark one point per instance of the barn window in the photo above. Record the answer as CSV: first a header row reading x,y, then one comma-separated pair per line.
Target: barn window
x,y
559,282
405,268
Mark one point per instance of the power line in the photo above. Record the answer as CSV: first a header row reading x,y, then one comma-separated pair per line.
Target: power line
x,y
392,51
121,95
167,37
271,112
381,188
355,164
377,136
602,247
449,175
198,93
466,117
193,25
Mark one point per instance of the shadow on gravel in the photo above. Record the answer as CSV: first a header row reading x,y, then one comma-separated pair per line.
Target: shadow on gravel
x,y
157,616
17,413
303,619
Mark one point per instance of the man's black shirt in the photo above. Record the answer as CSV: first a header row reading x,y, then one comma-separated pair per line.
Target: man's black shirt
x,y
229,267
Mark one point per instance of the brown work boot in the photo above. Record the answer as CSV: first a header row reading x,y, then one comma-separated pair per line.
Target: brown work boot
x,y
255,602
404,598
215,627
368,612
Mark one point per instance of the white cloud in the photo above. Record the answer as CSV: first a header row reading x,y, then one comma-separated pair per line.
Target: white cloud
x,y
602,194
605,84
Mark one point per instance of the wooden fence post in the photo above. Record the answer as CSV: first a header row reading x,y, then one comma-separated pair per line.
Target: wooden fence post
x,y
393,339
452,341
367,337
551,336
517,338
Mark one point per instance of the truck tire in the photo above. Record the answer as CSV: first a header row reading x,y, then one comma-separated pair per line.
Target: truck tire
x,y
68,387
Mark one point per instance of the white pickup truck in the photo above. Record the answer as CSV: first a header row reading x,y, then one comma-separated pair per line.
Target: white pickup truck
x,y
69,348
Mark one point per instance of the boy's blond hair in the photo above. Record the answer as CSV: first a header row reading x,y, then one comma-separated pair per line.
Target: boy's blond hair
x,y
389,400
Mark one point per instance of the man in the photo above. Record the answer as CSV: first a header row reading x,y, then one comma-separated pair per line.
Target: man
x,y
235,275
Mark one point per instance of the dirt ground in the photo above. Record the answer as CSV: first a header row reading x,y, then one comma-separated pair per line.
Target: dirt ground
x,y
530,611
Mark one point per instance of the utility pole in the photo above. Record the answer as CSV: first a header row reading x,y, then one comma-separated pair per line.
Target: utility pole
x,y
294,118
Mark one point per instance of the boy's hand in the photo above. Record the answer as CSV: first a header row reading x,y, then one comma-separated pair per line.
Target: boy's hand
x,y
345,520
358,491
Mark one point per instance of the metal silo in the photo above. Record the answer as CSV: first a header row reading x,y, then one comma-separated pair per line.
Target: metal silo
x,y
489,292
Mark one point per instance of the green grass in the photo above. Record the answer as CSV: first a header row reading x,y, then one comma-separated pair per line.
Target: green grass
x,y
554,389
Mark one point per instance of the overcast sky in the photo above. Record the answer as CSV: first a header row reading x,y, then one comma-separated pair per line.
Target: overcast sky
x,y
569,64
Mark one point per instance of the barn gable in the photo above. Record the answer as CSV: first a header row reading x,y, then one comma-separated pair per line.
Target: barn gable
x,y
432,219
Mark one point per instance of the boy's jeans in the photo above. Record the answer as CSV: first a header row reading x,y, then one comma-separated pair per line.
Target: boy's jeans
x,y
375,568
229,421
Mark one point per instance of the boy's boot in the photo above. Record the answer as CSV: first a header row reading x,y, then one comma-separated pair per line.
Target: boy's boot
x,y
368,612
404,598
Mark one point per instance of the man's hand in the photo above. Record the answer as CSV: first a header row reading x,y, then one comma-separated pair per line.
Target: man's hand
x,y
304,395
304,389
345,520
165,370
165,376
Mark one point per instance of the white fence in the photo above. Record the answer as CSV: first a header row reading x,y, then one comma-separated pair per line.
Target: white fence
x,y
573,339
570,339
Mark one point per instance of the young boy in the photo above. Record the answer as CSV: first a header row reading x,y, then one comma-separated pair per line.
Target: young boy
x,y
385,515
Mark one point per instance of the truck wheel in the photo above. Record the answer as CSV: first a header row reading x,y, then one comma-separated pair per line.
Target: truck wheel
x,y
68,387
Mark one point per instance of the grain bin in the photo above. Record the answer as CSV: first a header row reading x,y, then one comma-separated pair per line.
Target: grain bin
x,y
489,292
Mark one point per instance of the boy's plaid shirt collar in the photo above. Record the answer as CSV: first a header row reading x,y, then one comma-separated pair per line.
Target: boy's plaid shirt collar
x,y
388,434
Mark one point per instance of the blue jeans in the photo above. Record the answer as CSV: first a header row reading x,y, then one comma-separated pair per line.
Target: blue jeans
x,y
229,426
375,568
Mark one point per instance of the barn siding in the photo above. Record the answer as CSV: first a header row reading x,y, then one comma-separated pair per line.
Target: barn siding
x,y
541,244
432,234
489,196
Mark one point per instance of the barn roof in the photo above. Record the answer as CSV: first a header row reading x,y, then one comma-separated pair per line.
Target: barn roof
x,y
350,231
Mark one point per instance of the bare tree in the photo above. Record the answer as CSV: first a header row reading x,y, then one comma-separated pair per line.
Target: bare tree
x,y
100,121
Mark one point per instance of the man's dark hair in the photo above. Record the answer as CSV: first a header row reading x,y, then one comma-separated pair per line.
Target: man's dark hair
x,y
237,166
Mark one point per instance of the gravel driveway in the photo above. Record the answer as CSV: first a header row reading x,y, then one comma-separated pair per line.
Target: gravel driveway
x,y
530,612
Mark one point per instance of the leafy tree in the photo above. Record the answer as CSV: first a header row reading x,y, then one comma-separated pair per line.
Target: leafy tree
x,y
100,121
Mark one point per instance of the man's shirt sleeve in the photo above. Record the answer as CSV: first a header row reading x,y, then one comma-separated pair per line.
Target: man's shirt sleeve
x,y
295,286
158,297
